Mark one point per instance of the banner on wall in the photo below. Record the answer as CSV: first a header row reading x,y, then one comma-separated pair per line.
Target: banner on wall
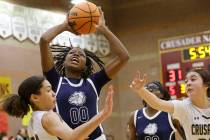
x,y
30,23
5,87
5,90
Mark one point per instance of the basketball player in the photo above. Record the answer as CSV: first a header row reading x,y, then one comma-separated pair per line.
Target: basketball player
x,y
193,112
44,123
73,77
149,123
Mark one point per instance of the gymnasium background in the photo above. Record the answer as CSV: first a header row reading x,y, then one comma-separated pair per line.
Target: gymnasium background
x,y
139,24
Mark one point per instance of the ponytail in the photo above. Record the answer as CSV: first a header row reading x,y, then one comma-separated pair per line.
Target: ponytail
x,y
15,106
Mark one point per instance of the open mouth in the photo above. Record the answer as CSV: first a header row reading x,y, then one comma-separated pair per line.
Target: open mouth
x,y
75,60
189,90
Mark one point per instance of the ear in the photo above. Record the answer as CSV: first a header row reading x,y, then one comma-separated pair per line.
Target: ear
x,y
34,98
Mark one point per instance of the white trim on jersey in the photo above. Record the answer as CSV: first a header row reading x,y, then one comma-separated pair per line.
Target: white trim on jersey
x,y
152,117
172,126
57,90
72,84
92,84
171,123
135,117
59,85
102,137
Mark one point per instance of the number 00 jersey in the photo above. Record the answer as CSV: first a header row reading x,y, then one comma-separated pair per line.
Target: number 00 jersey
x,y
77,99
157,127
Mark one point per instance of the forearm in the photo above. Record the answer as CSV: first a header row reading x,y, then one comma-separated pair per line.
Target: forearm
x,y
51,33
154,101
116,45
83,131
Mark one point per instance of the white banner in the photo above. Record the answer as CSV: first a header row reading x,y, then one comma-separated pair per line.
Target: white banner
x,y
5,22
103,45
34,24
23,22
19,23
90,42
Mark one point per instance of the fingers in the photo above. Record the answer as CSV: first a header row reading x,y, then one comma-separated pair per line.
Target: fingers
x,y
145,78
100,10
111,89
110,94
138,81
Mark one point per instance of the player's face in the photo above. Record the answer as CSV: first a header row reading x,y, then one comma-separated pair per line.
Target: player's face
x,y
156,93
76,59
194,85
46,97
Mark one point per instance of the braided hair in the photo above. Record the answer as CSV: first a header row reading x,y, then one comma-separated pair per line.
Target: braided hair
x,y
154,86
60,53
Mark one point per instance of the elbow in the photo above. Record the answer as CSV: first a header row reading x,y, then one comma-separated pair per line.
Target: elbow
x,y
43,40
125,57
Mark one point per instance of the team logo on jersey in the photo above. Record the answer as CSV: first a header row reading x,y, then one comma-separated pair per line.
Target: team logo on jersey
x,y
151,129
78,98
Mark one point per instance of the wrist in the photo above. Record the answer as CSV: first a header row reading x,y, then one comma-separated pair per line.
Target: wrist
x,y
103,29
104,114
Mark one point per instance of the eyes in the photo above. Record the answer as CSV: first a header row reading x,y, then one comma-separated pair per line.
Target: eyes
x,y
193,78
78,53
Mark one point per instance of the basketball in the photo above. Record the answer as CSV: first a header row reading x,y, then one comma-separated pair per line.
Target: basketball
x,y
83,17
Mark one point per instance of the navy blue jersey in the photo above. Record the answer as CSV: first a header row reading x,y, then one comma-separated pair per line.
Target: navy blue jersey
x,y
77,99
157,127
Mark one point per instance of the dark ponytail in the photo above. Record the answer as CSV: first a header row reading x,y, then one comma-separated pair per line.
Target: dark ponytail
x,y
18,105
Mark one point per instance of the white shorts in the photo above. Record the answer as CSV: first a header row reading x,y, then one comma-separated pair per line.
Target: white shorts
x,y
102,137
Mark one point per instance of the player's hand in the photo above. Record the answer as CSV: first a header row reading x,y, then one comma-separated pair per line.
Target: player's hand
x,y
101,24
68,25
107,110
138,83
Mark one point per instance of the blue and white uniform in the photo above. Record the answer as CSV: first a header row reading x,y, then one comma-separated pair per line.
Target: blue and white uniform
x,y
157,127
77,99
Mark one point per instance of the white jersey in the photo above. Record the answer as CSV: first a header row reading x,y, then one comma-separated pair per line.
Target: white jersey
x,y
195,121
35,128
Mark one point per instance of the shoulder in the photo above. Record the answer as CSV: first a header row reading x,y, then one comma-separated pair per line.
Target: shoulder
x,y
49,117
182,102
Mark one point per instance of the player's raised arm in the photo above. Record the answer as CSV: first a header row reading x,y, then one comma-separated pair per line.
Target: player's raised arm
x,y
116,45
137,86
46,38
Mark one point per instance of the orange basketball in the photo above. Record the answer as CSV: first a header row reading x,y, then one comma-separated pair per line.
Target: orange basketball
x,y
83,17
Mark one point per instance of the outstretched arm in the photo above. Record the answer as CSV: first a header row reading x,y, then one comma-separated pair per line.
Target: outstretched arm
x,y
131,127
137,86
116,45
53,125
46,38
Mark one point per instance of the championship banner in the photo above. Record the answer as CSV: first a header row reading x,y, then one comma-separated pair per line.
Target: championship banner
x,y
5,22
19,23
103,45
5,87
5,90
90,42
30,23
34,24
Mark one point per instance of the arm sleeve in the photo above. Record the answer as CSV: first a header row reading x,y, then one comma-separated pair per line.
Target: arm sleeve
x,y
53,77
100,79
